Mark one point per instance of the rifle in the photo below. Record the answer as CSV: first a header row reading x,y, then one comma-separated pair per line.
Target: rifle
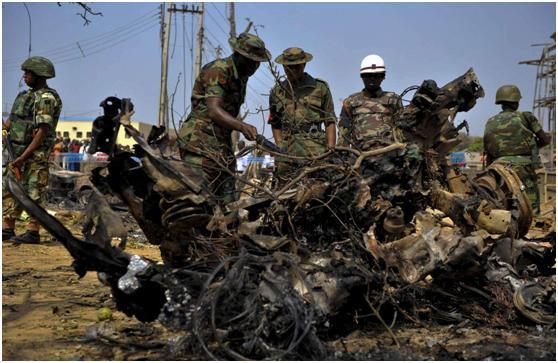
x,y
11,156
261,140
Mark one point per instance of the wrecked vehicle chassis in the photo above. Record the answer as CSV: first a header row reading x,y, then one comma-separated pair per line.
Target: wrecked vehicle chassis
x,y
376,232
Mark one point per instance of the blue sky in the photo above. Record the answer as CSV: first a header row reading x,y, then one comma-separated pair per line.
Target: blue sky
x,y
418,41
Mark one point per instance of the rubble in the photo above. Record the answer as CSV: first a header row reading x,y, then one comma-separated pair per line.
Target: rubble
x,y
390,233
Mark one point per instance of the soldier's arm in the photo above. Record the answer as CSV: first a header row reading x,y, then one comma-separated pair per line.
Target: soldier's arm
x,y
543,138
488,158
398,104
218,114
8,123
275,119
216,80
533,124
329,115
344,123
47,106
37,141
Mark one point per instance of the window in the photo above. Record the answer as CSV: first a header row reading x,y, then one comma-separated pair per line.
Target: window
x,y
58,133
79,134
66,134
74,128
88,135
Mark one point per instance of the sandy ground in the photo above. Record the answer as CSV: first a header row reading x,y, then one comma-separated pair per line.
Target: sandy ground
x,y
50,314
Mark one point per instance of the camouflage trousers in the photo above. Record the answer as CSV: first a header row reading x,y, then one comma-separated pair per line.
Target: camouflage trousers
x,y
218,181
301,145
527,173
34,179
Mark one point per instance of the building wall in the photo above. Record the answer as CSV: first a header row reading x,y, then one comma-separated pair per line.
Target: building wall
x,y
80,129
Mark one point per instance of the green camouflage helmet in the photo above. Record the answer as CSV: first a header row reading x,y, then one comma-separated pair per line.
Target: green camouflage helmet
x,y
40,66
250,46
508,93
291,56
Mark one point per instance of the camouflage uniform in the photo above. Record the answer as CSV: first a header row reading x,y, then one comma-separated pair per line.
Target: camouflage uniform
x,y
300,117
300,112
199,136
509,138
365,119
30,109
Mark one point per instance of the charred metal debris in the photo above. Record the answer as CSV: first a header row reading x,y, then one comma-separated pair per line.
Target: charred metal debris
x,y
359,238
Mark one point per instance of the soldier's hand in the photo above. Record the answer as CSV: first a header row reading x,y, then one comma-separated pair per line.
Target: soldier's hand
x,y
249,131
17,163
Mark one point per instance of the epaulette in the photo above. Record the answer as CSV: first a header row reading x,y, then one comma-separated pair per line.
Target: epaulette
x,y
322,81
354,95
48,95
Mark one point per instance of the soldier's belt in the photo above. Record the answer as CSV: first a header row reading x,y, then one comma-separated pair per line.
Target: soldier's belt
x,y
312,129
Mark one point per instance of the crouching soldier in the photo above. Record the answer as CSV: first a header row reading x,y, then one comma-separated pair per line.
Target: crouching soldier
x,y
514,138
204,138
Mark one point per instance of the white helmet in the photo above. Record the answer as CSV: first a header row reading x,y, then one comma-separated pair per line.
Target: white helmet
x,y
372,64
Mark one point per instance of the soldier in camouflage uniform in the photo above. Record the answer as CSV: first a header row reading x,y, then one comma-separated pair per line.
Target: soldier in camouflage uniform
x,y
205,136
299,106
514,138
365,119
32,129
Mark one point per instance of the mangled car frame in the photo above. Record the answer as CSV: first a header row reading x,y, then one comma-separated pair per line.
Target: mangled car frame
x,y
387,228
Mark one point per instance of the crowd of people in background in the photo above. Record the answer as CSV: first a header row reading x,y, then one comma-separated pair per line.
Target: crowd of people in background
x,y
69,153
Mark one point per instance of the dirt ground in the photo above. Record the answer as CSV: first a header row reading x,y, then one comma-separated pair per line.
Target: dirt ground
x,y
50,314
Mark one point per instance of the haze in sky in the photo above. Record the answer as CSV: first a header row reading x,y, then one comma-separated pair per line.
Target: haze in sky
x,y
119,53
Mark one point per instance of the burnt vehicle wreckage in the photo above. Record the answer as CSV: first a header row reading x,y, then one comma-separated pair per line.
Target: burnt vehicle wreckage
x,y
389,232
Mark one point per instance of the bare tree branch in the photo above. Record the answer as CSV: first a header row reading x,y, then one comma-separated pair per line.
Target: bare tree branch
x,y
86,11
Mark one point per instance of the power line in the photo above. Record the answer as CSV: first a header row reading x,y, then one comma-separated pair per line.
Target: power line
x,y
92,40
192,80
96,50
215,38
210,43
257,94
261,81
216,22
91,44
174,38
29,16
184,59
219,11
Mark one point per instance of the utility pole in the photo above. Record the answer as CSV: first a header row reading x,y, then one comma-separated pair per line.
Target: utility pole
x,y
232,21
165,29
544,105
163,118
199,49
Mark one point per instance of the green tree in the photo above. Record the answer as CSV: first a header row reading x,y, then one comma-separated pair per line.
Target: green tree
x,y
469,143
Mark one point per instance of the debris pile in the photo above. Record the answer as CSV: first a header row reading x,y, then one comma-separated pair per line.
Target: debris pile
x,y
376,235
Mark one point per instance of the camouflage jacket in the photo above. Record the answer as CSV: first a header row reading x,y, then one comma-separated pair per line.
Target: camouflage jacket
x,y
30,109
510,136
300,115
364,117
217,79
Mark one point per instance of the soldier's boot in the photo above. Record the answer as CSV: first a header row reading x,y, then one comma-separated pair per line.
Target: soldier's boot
x,y
30,237
8,234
